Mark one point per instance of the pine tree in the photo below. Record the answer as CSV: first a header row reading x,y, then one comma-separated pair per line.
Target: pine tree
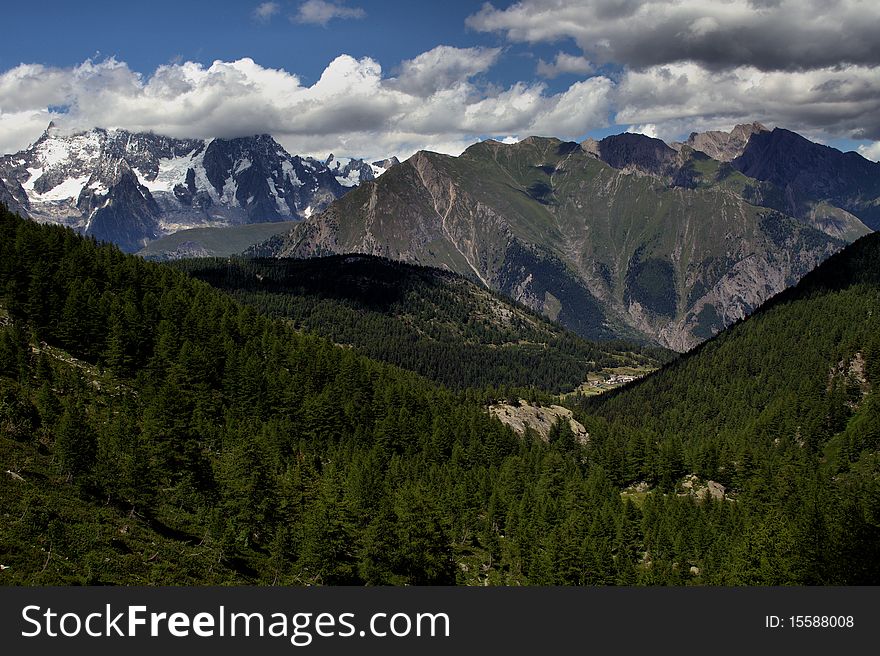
x,y
75,442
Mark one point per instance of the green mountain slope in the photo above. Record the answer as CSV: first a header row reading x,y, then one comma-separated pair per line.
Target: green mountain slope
x,y
433,322
607,252
153,430
211,242
782,409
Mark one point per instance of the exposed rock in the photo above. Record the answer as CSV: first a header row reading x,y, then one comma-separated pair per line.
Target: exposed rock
x,y
808,172
131,188
15,476
387,163
723,146
13,204
538,418
636,152
640,487
693,486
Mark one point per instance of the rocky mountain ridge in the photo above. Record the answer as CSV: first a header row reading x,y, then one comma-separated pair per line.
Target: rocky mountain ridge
x,y
626,236
131,188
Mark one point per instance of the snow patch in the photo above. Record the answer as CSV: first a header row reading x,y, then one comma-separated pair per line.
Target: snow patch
x,y
58,150
99,188
28,185
230,187
283,209
171,172
290,173
70,188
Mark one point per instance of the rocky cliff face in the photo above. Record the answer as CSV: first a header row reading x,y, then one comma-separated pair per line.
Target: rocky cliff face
x,y
132,188
606,250
723,146
12,203
809,174
636,153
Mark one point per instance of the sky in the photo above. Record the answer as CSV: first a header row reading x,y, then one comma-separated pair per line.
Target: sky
x,y
369,78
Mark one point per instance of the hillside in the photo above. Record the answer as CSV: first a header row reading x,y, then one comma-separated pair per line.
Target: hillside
x,y
211,242
432,322
782,408
622,238
811,174
153,430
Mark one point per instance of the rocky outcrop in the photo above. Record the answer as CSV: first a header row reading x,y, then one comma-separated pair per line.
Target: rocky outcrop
x,y
720,145
692,485
636,152
539,419
12,203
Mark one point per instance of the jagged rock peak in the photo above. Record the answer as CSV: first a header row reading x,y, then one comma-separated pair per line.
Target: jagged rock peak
x,y
723,146
132,187
387,163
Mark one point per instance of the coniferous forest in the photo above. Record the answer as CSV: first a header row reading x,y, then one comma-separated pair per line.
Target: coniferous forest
x,y
426,320
156,430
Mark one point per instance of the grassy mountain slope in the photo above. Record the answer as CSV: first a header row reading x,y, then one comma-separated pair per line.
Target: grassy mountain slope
x,y
211,242
606,252
430,321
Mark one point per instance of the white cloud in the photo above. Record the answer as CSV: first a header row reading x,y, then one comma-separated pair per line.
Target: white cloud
x,y
352,109
648,129
443,67
842,101
871,151
564,63
20,128
321,12
437,100
576,110
783,35
266,10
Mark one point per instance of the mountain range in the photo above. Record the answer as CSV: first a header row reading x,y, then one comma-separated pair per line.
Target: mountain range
x,y
622,237
132,188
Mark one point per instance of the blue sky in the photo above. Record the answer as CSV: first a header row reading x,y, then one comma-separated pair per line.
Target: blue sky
x,y
146,35
440,74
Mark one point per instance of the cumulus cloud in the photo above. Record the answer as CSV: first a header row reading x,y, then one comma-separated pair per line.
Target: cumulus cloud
x,y
564,63
265,10
443,67
842,101
353,109
439,100
20,128
767,35
871,151
321,12
648,129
